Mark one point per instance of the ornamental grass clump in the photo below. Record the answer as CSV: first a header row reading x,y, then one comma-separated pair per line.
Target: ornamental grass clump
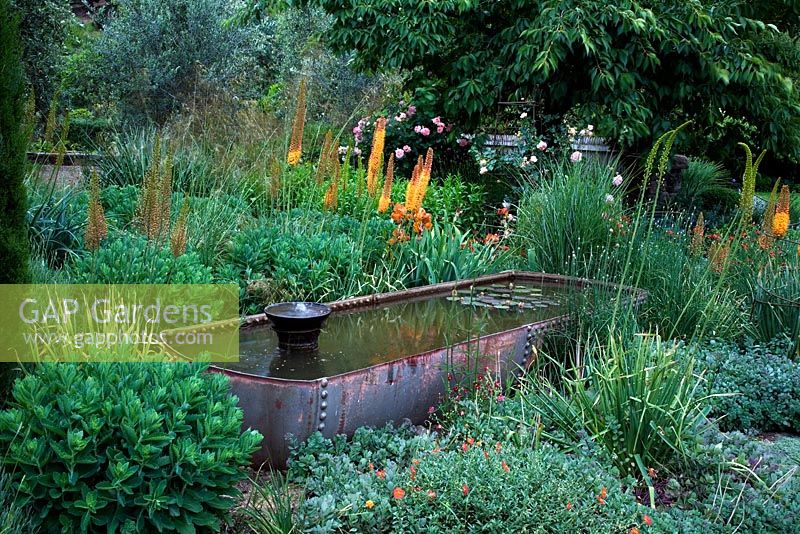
x,y
132,447
639,400
296,143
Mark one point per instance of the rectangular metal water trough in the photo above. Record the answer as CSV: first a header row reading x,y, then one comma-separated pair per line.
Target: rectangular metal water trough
x,y
393,391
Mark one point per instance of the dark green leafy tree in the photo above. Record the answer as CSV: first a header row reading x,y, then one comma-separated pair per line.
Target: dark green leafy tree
x,y
639,67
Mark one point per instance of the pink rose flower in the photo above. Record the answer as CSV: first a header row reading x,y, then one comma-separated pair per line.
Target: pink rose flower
x,y
356,130
541,145
417,128
411,110
576,156
406,148
463,142
398,153
617,180
425,131
440,128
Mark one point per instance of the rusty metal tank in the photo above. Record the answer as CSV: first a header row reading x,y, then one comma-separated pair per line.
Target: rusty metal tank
x,y
403,387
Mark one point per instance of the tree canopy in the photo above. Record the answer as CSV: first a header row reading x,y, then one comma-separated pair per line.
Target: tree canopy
x,y
639,66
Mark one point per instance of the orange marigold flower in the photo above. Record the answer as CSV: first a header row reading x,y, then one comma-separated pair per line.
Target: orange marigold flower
x,y
431,494
380,473
633,530
465,490
569,506
464,447
602,497
413,471
371,466
399,493
502,212
470,440
647,520
505,466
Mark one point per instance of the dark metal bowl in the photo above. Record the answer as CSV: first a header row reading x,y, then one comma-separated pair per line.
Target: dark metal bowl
x,y
297,324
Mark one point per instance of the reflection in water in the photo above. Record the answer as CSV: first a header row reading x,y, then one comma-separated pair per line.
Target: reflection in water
x,y
358,339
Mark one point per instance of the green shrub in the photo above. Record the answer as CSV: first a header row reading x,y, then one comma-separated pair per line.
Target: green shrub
x,y
14,254
457,201
131,259
311,255
445,255
101,446
153,53
760,386
120,204
13,143
86,131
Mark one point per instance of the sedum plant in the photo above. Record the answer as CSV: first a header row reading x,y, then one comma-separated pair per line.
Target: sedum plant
x,y
132,447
